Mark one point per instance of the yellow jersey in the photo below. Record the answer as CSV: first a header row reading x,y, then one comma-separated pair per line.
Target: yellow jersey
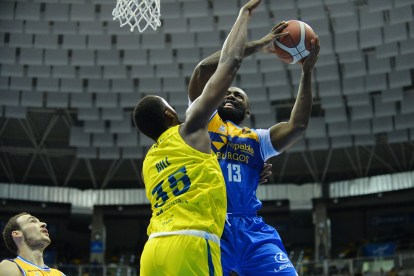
x,y
186,187
29,269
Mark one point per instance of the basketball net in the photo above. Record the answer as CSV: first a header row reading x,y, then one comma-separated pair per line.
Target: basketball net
x,y
138,13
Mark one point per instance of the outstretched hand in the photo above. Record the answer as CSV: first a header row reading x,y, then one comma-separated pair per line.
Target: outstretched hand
x,y
272,36
251,6
265,173
310,60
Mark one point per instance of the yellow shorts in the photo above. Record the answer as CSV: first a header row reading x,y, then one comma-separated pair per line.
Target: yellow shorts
x,y
181,255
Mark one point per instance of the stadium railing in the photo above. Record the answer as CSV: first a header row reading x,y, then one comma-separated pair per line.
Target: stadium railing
x,y
364,265
94,270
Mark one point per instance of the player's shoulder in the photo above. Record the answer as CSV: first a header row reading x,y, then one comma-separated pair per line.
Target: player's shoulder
x,y
215,117
9,268
251,132
259,131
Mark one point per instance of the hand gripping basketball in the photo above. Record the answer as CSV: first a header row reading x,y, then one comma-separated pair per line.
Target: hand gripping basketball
x,y
275,33
310,60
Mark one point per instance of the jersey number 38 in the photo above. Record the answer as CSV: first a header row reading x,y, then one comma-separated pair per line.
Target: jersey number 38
x,y
174,181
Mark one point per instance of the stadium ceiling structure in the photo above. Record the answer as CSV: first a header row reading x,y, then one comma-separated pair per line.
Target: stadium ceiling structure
x,y
70,78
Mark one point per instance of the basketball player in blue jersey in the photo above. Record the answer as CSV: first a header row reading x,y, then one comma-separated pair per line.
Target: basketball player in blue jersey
x,y
248,245
26,237
183,179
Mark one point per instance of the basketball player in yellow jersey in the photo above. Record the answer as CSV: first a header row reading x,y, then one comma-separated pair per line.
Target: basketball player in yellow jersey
x,y
26,237
182,176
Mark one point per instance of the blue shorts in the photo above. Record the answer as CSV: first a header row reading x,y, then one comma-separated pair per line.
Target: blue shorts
x,y
251,247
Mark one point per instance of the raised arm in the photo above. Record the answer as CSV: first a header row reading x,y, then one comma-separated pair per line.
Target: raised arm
x,y
229,62
206,68
284,135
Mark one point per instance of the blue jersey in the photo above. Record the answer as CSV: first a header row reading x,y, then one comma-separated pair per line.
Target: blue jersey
x,y
248,245
241,153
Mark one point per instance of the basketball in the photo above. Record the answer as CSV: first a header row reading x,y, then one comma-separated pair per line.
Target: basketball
x,y
294,47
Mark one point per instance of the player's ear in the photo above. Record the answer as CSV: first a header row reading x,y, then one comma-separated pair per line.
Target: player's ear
x,y
169,114
247,114
17,234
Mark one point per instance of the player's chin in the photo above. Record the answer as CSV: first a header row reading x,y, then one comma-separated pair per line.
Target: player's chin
x,y
47,240
231,114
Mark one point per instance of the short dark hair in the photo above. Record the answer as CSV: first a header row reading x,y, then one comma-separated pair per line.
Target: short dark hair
x,y
11,226
149,116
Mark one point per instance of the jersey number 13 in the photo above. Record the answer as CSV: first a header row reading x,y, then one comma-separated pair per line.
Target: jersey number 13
x,y
233,171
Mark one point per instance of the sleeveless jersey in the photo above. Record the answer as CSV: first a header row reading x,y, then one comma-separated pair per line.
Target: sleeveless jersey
x,y
29,269
239,155
185,187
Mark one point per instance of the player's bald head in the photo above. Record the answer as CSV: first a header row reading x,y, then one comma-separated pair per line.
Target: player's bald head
x,y
246,98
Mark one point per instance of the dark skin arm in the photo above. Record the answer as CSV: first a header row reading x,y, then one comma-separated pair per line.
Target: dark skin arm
x,y
194,130
206,68
284,135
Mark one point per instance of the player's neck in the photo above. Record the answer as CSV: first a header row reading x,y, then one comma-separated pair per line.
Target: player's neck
x,y
33,256
240,124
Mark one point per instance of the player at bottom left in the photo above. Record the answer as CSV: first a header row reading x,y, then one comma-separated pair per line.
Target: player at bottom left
x,y
27,237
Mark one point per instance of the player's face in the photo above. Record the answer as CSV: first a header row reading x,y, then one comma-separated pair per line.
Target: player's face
x,y
234,106
34,232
